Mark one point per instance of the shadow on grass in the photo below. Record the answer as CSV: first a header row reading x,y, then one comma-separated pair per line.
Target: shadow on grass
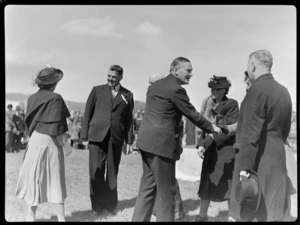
x,y
52,219
127,203
87,215
82,216
191,205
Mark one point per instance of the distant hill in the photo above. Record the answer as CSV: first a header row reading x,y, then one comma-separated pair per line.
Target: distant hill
x,y
76,106
16,96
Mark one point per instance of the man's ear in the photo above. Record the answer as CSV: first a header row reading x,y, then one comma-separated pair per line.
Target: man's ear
x,y
175,70
253,68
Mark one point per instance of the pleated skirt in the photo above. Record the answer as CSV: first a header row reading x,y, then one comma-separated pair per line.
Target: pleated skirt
x,y
42,174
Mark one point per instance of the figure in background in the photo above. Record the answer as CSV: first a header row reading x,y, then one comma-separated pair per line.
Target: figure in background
x,y
216,149
42,174
9,127
107,125
263,127
74,133
19,131
159,141
137,120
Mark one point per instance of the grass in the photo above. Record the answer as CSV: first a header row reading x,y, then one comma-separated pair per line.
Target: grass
x,y
77,204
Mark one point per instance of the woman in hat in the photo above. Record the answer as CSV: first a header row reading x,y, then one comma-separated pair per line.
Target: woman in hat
x,y
216,149
42,174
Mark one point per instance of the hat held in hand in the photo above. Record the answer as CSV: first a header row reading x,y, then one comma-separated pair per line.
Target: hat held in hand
x,y
248,194
219,82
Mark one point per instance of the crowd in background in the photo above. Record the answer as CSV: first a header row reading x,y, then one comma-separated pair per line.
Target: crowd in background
x,y
17,137
15,134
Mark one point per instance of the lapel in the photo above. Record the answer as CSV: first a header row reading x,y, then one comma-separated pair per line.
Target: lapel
x,y
118,99
221,104
107,92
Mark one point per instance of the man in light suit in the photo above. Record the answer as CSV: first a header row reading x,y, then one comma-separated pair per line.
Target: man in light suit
x,y
159,141
107,125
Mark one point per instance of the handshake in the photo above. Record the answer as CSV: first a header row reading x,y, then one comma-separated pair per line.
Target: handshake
x,y
220,128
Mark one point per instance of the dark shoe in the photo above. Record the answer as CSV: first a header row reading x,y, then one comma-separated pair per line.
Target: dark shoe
x,y
201,218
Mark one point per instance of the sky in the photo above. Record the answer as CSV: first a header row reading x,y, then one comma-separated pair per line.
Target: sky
x,y
84,40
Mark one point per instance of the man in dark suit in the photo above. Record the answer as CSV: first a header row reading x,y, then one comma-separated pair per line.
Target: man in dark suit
x,y
159,141
263,127
107,125
20,129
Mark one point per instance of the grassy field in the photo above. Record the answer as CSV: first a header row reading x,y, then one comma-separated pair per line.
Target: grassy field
x,y
77,204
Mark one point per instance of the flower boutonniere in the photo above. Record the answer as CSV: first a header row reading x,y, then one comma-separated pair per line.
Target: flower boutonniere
x,y
124,99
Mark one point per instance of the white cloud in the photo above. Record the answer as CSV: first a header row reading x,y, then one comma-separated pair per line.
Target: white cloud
x,y
148,28
31,57
93,26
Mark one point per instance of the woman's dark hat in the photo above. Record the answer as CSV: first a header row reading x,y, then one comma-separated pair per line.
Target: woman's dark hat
x,y
248,194
48,77
219,82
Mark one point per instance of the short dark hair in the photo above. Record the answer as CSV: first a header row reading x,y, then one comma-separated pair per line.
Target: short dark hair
x,y
9,106
177,61
117,68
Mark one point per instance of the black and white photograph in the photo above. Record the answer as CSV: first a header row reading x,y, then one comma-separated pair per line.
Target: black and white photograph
x,y
150,113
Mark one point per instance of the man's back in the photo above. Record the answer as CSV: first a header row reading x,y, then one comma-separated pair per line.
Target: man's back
x,y
275,105
166,102
159,131
279,106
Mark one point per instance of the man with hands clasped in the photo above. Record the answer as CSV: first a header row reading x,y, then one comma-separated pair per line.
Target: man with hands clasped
x,y
107,125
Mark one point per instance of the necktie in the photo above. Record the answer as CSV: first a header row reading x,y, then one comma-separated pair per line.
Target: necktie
x,y
113,92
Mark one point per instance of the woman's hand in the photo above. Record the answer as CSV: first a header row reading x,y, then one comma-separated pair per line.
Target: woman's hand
x,y
201,151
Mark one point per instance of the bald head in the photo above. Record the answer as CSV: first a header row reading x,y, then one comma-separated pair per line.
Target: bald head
x,y
154,77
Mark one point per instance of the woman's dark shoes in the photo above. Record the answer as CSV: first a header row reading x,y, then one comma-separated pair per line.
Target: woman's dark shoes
x,y
201,218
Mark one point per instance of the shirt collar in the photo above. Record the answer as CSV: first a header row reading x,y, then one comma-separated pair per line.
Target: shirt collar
x,y
117,88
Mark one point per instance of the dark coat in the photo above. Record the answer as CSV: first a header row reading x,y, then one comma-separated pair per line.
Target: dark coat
x,y
160,130
218,163
102,114
46,113
263,127
19,123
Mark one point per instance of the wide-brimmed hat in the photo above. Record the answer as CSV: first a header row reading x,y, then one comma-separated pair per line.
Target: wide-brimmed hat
x,y
219,82
48,76
248,194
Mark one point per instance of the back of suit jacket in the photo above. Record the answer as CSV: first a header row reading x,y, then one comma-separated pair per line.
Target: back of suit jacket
x,y
103,114
159,132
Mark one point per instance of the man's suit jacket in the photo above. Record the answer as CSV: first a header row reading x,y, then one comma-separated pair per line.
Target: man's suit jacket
x,y
103,114
159,132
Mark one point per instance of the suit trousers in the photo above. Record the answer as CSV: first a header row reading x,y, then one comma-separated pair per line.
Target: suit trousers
x,y
178,201
104,160
16,142
8,140
158,183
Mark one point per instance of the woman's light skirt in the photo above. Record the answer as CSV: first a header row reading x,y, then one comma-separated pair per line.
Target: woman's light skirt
x,y
42,174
